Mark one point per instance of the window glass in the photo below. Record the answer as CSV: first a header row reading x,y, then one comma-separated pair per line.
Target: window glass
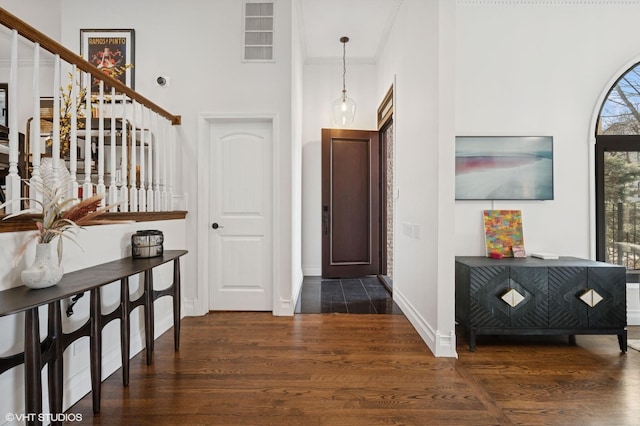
x,y
619,114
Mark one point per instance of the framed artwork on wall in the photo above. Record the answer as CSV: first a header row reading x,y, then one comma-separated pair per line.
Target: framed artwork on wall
x,y
112,51
504,168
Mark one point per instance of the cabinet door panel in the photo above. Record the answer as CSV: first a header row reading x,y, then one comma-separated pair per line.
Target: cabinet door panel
x,y
487,285
565,285
610,284
532,284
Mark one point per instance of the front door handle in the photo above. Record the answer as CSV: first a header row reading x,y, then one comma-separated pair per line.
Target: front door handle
x,y
216,226
325,219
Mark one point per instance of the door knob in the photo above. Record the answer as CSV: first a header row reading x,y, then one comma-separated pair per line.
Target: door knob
x,y
216,226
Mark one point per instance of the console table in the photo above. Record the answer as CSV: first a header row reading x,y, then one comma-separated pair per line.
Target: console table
x,y
529,296
49,352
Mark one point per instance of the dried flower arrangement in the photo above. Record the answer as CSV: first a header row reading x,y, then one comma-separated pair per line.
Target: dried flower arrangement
x,y
80,106
66,110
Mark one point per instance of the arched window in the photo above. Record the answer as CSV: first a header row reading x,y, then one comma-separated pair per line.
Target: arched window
x,y
618,175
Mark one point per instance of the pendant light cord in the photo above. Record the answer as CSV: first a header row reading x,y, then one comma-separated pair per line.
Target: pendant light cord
x,y
344,41
344,67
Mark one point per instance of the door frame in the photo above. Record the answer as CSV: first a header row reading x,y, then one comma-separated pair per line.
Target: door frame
x,y
384,214
200,303
351,269
385,114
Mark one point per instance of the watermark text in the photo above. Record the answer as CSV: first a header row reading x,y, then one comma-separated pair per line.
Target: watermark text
x,y
43,417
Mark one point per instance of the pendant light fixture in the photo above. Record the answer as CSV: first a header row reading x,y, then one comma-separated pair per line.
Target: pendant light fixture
x,y
344,108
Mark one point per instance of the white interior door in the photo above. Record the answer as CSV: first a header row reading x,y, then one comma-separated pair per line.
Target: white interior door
x,y
240,204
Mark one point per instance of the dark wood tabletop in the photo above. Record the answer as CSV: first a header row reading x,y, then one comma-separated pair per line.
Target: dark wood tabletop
x,y
22,298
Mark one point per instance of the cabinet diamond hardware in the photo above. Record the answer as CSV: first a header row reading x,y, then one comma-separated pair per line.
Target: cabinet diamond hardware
x,y
591,297
512,298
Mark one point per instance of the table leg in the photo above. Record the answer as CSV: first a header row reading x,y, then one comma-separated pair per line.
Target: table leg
x,y
176,303
148,314
32,366
125,329
622,341
56,362
95,342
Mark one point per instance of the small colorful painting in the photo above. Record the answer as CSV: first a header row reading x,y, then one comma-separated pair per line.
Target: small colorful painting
x,y
503,232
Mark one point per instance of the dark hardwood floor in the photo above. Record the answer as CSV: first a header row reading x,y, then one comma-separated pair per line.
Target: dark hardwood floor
x,y
250,368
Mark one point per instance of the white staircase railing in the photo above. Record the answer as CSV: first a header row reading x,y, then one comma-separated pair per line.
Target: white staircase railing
x,y
126,150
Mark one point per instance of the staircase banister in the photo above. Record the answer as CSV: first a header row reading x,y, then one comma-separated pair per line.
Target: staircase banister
x,y
47,43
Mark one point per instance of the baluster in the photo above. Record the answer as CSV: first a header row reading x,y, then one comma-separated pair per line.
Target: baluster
x,y
100,188
87,187
157,163
142,193
151,205
165,160
55,147
172,141
73,137
34,144
12,181
134,166
113,191
124,165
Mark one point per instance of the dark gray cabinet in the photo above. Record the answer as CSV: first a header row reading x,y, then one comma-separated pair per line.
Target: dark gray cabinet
x,y
565,296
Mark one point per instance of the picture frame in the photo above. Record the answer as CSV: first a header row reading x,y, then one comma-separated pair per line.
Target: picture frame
x,y
111,50
504,168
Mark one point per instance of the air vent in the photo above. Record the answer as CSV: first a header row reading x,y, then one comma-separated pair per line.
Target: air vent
x,y
258,32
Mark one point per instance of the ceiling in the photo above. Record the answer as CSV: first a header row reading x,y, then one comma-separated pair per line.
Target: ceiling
x,y
366,22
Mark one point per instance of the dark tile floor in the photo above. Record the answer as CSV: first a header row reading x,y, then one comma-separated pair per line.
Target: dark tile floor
x,y
348,296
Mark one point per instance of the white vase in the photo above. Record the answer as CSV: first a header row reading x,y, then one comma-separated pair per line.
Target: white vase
x,y
45,271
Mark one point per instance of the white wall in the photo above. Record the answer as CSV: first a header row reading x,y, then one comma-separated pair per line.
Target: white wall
x,y
323,85
525,69
297,111
44,16
424,168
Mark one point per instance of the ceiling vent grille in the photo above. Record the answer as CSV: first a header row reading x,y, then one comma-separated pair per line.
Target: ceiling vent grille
x,y
258,32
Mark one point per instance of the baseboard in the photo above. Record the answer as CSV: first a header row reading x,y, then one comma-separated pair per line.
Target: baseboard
x,y
633,304
440,345
311,270
189,308
285,308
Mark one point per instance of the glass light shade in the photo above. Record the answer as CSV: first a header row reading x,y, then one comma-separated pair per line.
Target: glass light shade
x,y
344,110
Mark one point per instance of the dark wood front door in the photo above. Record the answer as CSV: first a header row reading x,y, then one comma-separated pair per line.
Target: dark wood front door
x,y
350,203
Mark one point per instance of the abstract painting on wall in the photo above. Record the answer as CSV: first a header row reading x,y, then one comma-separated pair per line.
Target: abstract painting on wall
x,y
503,232
504,168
